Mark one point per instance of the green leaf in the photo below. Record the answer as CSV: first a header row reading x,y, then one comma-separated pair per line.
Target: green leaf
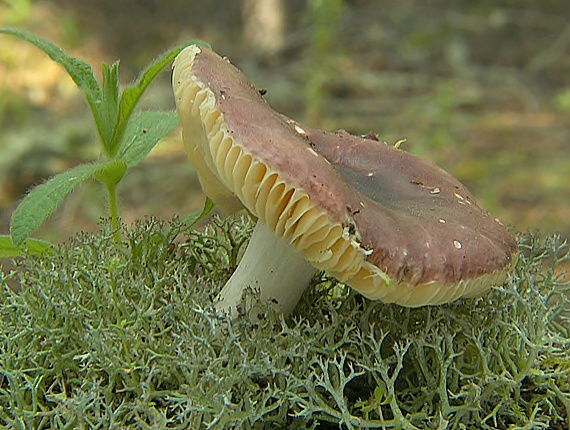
x,y
79,70
144,131
30,246
44,199
133,92
195,217
110,104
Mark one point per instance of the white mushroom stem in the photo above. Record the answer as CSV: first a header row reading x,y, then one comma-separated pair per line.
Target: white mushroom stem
x,y
271,266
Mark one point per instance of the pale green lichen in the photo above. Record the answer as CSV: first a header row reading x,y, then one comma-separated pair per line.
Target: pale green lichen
x,y
107,335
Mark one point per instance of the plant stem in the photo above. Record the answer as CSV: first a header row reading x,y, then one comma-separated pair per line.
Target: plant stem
x,y
113,211
271,266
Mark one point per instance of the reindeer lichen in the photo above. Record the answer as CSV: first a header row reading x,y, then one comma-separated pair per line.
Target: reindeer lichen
x,y
124,335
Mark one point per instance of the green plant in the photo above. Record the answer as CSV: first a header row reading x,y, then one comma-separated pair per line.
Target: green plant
x,y
124,335
125,138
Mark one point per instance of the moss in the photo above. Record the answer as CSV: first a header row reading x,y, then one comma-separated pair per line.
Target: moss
x,y
107,335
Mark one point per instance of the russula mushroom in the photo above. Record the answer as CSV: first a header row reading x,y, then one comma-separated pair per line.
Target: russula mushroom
x,y
390,225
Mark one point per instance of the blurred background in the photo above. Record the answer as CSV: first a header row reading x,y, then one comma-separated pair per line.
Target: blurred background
x,y
481,88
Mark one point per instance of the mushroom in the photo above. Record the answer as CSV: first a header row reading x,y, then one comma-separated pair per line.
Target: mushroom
x,y
388,224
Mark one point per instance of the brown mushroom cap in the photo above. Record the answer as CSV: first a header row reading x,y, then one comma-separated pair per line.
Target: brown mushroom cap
x,y
392,226
432,232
